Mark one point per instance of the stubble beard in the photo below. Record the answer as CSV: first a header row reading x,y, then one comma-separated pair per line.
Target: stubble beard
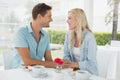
x,y
47,26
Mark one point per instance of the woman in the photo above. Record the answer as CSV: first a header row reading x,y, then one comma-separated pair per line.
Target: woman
x,y
80,45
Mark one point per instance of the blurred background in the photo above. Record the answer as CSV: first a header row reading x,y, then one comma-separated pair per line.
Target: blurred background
x,y
16,13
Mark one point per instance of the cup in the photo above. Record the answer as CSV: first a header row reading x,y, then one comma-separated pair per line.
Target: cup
x,y
82,75
38,71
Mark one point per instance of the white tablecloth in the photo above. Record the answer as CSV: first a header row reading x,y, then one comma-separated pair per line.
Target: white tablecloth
x,y
115,53
20,74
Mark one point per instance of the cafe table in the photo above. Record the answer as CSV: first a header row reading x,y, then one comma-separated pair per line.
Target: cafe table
x,y
22,74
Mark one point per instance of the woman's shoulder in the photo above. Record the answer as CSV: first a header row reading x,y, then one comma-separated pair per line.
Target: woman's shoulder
x,y
67,32
88,34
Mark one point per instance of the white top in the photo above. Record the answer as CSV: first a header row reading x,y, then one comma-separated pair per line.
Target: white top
x,y
76,53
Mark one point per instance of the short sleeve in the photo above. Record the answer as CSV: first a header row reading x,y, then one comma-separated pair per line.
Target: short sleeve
x,y
48,43
20,38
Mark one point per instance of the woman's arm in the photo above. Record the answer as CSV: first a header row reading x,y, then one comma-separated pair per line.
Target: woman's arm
x,y
90,50
66,48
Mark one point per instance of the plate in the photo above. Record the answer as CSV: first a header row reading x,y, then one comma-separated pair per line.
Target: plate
x,y
82,75
43,75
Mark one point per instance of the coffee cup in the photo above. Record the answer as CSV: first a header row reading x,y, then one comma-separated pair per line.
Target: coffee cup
x,y
82,75
38,69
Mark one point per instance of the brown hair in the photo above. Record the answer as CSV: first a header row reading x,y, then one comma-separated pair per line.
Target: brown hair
x,y
40,8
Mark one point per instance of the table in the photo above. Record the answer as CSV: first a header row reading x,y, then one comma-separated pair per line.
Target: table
x,y
21,74
118,67
111,52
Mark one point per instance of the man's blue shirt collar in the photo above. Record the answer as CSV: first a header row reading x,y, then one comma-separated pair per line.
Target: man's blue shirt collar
x,y
31,31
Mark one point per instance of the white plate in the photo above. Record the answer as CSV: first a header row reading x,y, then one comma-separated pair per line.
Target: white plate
x,y
82,75
82,71
43,75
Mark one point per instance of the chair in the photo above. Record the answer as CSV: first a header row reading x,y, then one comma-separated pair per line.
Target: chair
x,y
107,65
115,43
7,59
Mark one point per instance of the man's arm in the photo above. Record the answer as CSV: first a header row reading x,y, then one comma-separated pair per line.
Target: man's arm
x,y
25,55
48,56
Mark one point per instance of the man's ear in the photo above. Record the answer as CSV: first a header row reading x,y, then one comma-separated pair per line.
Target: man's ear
x,y
39,15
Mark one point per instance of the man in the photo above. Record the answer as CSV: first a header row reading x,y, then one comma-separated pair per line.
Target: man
x,y
32,42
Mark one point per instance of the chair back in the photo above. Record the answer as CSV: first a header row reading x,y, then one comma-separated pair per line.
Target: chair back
x,y
115,43
7,59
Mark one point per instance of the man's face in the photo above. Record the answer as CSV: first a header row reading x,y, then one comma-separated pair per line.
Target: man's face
x,y
46,19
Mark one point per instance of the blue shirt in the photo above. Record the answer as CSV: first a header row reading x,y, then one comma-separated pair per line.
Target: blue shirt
x,y
88,50
24,38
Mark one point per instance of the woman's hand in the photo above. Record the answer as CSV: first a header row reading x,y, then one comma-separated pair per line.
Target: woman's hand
x,y
74,65
68,64
66,61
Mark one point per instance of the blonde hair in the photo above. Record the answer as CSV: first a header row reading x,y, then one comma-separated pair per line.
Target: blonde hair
x,y
82,24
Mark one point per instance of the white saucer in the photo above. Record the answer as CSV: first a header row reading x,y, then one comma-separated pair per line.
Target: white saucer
x,y
43,75
82,75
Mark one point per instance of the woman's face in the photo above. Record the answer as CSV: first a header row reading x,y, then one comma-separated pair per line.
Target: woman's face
x,y
71,21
